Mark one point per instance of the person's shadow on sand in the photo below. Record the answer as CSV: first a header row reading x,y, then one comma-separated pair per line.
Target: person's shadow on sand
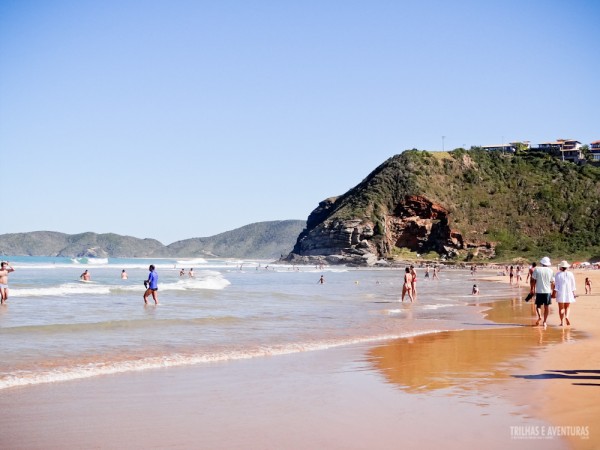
x,y
567,374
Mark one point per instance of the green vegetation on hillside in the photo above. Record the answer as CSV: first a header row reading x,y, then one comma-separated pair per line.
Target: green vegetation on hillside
x,y
528,204
264,240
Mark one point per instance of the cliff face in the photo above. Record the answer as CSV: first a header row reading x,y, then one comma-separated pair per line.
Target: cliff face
x,y
416,224
465,205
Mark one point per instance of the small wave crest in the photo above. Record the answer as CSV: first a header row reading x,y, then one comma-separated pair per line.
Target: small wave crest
x,y
89,370
206,279
90,261
62,290
438,306
191,262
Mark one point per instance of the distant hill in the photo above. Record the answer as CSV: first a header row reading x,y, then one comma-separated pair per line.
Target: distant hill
x,y
465,205
50,243
263,240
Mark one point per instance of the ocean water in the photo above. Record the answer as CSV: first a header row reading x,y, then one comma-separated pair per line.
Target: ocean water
x,y
56,328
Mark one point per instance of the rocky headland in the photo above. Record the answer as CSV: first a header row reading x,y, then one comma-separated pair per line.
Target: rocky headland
x,y
462,205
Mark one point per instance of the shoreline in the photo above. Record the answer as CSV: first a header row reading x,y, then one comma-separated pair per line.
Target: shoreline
x,y
560,383
491,387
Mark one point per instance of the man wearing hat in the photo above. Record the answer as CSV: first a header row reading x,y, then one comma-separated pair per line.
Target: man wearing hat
x,y
543,285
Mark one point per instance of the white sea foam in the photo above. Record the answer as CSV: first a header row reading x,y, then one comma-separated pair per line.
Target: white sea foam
x,y
212,280
62,290
191,262
90,261
438,306
26,378
203,279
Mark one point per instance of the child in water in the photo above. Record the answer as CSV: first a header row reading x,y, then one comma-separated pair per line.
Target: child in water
x,y
475,290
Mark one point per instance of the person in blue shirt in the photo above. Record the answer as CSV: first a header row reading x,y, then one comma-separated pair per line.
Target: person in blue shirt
x,y
151,285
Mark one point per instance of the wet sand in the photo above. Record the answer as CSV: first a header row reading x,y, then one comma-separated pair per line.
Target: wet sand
x,y
487,388
561,383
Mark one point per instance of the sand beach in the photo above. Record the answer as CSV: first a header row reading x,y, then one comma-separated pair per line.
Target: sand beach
x,y
509,385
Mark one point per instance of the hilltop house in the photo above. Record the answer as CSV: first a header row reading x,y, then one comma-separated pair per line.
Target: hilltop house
x,y
595,150
570,149
511,147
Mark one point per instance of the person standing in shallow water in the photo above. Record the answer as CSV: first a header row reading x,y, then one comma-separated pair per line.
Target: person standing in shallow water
x,y
151,285
413,272
407,285
5,269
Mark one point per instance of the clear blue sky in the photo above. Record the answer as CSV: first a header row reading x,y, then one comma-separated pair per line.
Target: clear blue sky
x,y
179,119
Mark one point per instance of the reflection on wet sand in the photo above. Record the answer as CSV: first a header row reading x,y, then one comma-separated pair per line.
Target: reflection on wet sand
x,y
466,359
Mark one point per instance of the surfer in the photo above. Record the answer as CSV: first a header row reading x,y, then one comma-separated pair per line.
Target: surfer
x,y
151,285
85,276
5,269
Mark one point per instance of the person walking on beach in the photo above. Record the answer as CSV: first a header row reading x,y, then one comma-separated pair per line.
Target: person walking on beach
x,y
543,285
407,285
588,286
85,276
5,269
435,273
151,285
531,282
564,285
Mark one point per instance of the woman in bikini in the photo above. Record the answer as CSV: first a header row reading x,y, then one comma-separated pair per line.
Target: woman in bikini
x,y
407,286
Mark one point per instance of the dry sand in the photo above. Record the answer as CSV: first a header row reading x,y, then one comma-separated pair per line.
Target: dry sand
x,y
465,389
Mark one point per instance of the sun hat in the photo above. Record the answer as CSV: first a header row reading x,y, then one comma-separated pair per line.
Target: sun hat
x,y
545,261
564,264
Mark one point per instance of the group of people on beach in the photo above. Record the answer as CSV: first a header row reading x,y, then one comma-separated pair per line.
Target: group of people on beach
x,y
151,284
546,285
409,286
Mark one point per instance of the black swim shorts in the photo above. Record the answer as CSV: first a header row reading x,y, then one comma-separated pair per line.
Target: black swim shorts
x,y
543,299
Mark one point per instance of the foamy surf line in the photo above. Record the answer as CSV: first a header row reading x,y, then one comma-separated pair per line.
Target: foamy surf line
x,y
178,360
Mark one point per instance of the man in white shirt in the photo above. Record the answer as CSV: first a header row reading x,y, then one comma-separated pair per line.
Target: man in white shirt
x,y
543,285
